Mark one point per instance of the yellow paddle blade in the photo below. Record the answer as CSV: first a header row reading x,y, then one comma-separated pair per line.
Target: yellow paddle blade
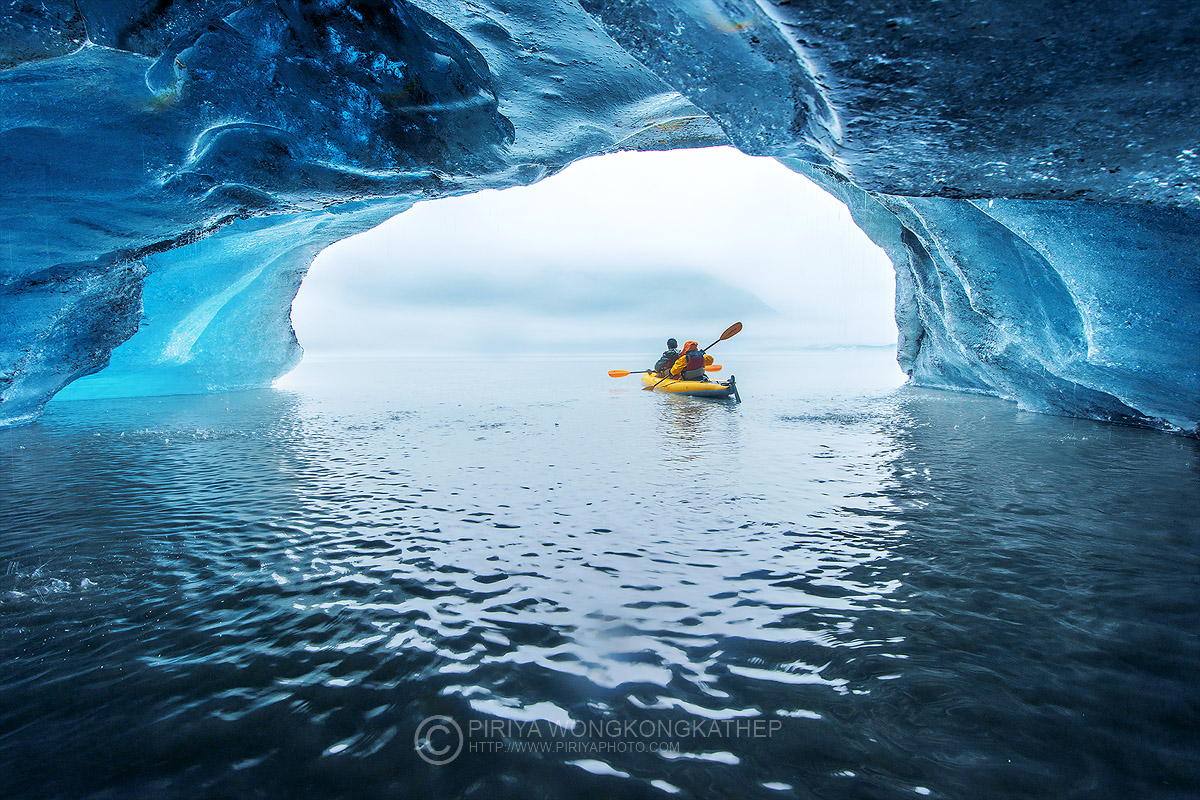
x,y
714,368
618,373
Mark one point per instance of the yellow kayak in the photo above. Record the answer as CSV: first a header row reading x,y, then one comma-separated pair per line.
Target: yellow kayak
x,y
718,389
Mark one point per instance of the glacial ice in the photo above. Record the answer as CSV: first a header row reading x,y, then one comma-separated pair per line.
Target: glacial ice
x,y
170,170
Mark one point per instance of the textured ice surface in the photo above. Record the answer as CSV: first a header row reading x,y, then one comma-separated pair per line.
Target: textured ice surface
x,y
170,169
216,312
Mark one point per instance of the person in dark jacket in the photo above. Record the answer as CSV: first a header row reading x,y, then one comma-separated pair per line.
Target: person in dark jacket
x,y
667,358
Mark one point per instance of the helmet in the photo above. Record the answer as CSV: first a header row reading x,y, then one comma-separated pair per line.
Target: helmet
x,y
672,344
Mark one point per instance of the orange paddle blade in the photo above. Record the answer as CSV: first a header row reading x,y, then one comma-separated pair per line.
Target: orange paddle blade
x,y
730,332
714,368
618,373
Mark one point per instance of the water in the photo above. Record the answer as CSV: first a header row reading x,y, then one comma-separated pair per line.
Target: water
x,y
911,593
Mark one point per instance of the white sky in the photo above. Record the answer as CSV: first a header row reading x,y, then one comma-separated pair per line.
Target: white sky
x,y
613,254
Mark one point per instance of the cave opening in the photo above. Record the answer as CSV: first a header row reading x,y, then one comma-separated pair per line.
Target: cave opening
x,y
611,255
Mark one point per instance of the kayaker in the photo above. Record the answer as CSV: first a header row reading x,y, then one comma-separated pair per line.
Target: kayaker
x,y
667,358
690,364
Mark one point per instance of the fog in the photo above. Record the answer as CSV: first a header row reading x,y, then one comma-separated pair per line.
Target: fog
x,y
613,254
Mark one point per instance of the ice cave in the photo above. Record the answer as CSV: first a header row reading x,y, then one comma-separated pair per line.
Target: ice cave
x,y
172,169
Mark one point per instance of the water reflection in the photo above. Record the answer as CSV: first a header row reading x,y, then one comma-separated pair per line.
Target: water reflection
x,y
689,426
1047,575
264,593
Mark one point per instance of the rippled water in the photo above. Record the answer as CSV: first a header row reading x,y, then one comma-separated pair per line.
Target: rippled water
x,y
912,593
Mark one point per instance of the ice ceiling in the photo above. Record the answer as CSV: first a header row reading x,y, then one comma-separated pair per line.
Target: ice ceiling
x,y
171,169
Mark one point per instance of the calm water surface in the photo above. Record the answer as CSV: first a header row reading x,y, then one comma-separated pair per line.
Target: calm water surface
x,y
909,593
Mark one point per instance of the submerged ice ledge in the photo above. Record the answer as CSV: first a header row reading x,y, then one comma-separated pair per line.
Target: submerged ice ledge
x,y
171,173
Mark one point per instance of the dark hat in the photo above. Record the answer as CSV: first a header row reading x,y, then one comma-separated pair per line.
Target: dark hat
x,y
672,344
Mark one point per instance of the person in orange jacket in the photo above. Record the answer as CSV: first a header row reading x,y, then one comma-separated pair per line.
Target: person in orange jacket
x,y
691,363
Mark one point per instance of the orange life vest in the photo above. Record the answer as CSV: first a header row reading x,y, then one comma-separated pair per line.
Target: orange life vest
x,y
693,370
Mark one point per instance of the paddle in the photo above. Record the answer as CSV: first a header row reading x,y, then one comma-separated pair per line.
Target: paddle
x,y
730,332
621,373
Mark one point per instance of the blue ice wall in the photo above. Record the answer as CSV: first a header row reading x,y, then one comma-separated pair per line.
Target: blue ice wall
x,y
216,312
1074,308
170,169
